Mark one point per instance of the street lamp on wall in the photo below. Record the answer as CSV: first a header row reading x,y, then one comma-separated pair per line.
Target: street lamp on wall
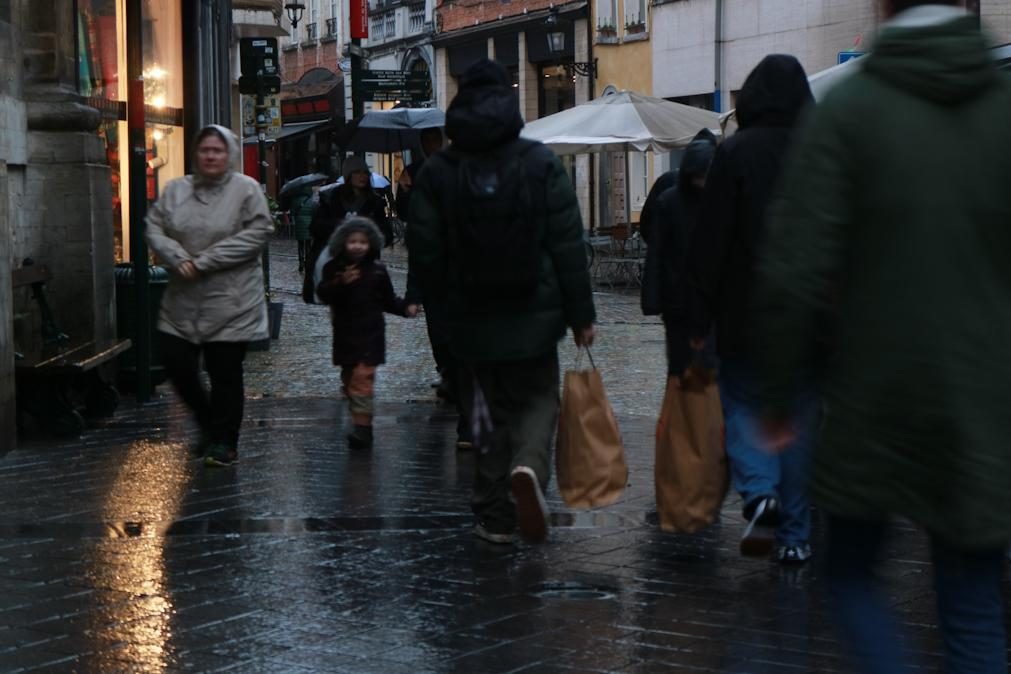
x,y
554,29
295,10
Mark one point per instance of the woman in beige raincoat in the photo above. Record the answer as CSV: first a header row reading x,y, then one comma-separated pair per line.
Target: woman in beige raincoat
x,y
210,229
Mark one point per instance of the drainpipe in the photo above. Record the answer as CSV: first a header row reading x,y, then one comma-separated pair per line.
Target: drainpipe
x,y
718,79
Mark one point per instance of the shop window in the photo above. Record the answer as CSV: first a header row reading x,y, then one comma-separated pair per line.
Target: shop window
x,y
557,90
101,80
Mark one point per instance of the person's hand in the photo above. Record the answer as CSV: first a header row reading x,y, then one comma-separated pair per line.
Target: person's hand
x,y
776,434
697,343
188,270
584,336
412,310
350,275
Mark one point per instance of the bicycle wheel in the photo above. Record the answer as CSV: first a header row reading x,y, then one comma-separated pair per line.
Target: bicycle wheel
x,y
591,253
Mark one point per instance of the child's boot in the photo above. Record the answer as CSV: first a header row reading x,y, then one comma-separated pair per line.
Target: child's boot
x,y
360,437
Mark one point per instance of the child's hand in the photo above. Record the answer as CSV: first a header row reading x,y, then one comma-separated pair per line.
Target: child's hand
x,y
412,310
350,275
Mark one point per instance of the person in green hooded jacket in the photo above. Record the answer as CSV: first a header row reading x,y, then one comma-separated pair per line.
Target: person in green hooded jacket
x,y
893,227
303,207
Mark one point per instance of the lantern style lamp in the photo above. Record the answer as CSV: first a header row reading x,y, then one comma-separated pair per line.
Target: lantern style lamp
x,y
295,10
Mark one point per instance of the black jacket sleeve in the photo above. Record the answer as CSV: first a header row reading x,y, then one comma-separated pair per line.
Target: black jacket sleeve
x,y
711,241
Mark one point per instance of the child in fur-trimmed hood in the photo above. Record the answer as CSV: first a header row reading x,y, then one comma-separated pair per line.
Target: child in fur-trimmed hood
x,y
358,290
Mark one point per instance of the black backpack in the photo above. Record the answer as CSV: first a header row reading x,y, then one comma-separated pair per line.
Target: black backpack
x,y
495,222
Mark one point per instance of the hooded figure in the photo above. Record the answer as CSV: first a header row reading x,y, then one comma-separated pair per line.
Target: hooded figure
x,y
508,343
210,229
722,266
219,223
358,290
666,288
740,184
338,203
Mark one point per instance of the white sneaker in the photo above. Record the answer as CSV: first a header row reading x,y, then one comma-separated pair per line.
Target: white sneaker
x,y
531,510
486,534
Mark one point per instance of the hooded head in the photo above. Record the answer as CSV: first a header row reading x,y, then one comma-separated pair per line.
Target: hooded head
x,y
937,54
696,159
775,93
352,225
225,135
486,111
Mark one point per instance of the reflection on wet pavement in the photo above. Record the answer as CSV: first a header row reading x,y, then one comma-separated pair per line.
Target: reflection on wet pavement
x,y
119,554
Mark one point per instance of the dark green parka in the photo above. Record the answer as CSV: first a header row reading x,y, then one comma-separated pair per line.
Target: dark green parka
x,y
894,227
483,118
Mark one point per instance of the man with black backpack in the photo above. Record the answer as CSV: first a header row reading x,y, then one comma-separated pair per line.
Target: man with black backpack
x,y
497,238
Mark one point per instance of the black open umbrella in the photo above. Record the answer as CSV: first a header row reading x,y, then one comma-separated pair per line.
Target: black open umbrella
x,y
387,131
300,182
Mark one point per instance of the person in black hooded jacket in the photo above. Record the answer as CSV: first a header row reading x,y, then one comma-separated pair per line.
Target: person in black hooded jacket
x,y
508,341
723,264
666,289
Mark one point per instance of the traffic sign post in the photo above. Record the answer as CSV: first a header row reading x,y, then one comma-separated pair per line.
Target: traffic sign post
x,y
845,56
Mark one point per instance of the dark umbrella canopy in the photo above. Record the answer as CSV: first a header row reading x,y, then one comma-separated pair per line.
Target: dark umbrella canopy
x,y
387,131
301,181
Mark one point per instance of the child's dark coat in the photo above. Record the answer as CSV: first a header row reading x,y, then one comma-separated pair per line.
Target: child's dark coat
x,y
356,310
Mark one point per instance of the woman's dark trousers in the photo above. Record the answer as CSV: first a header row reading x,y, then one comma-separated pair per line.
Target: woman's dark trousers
x,y
218,412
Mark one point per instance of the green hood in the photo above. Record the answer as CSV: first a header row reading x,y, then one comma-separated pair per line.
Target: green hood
x,y
947,63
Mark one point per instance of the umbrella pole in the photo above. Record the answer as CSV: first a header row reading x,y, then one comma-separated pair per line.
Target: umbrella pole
x,y
628,189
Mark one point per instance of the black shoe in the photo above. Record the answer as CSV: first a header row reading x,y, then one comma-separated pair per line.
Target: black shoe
x,y
760,535
360,438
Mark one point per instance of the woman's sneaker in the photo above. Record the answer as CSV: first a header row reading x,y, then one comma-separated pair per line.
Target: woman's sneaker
x,y
531,510
793,554
760,535
219,456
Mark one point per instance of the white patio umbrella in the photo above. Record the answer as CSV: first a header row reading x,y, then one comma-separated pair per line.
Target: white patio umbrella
x,y
623,121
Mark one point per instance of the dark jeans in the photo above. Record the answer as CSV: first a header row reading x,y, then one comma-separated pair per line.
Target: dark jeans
x,y
968,588
219,413
522,397
303,249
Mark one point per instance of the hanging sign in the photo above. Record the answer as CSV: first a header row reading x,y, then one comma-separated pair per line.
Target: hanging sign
x,y
359,16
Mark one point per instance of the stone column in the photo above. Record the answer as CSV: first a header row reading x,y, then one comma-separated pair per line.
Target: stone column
x,y
13,128
67,213
528,82
445,83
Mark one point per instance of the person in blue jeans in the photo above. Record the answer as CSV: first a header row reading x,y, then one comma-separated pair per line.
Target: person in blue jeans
x,y
721,267
773,486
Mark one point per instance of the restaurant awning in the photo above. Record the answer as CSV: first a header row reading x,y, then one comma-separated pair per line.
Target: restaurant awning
x,y
242,30
291,131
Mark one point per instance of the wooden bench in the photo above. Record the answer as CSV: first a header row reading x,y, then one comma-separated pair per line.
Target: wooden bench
x,y
53,375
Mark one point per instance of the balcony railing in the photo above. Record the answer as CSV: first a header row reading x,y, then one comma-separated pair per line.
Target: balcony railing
x,y
311,32
331,28
416,19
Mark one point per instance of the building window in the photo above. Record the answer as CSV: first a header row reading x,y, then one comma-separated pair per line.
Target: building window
x,y
333,10
416,19
607,24
635,16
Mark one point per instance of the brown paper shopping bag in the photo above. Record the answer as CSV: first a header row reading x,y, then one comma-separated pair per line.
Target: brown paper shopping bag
x,y
691,461
589,458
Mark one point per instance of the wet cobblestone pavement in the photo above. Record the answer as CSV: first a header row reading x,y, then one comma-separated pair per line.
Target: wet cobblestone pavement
x,y
120,554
